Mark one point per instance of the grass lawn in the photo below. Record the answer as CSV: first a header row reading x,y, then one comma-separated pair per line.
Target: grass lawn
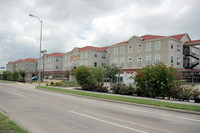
x,y
10,82
8,126
128,99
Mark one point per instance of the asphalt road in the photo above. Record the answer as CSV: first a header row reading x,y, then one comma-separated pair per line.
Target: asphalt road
x,y
48,112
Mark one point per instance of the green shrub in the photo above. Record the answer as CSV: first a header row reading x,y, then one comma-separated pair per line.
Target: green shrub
x,y
15,76
124,90
52,83
196,95
155,80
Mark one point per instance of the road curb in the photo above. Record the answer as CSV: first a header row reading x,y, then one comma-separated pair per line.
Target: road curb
x,y
114,101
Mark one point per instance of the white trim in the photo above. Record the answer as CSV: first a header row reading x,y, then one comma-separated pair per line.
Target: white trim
x,y
159,45
148,43
146,59
122,47
116,50
138,47
159,57
130,50
141,60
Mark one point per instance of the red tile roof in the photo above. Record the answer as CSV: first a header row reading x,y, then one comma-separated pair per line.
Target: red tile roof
x,y
179,36
150,37
13,61
124,42
93,48
28,60
55,54
194,41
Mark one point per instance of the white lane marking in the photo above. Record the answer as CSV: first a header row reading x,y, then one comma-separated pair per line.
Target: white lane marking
x,y
156,113
173,116
115,124
128,122
17,94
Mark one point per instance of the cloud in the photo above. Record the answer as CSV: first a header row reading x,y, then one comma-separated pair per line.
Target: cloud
x,y
77,23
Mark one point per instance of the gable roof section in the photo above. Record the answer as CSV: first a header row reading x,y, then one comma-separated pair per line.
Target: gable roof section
x,y
28,60
93,48
55,54
194,41
179,36
151,37
13,62
124,42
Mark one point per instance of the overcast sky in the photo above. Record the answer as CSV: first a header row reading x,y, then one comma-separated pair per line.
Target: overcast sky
x,y
77,23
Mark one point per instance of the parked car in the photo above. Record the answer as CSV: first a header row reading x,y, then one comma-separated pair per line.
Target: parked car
x,y
36,78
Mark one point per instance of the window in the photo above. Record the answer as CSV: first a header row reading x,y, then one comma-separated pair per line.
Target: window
x,y
57,59
86,55
130,49
103,64
86,63
178,47
139,47
32,69
139,61
95,54
172,45
26,64
172,59
26,69
115,51
103,55
56,66
178,61
95,64
116,61
157,59
81,63
148,46
81,55
157,45
69,57
122,61
122,50
129,61
148,59
65,57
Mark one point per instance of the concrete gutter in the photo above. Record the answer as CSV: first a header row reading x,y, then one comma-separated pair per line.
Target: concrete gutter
x,y
115,101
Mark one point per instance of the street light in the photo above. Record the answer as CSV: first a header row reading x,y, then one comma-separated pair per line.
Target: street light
x,y
40,46
44,51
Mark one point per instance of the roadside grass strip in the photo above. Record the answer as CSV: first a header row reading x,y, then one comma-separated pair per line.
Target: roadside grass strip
x,y
8,126
10,82
127,99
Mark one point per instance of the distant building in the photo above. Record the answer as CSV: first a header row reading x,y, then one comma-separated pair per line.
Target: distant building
x,y
88,56
11,66
53,64
138,52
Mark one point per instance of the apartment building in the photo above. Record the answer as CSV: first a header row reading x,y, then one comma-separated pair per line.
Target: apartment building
x,y
11,66
149,49
88,56
51,64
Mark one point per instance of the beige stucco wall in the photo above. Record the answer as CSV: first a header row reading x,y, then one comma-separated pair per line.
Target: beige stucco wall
x,y
163,52
80,58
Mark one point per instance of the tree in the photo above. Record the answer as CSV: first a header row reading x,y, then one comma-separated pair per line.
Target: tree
x,y
97,75
82,74
155,80
15,76
22,74
5,75
111,72
9,75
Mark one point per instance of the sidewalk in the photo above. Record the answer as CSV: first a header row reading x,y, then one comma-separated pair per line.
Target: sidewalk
x,y
162,100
